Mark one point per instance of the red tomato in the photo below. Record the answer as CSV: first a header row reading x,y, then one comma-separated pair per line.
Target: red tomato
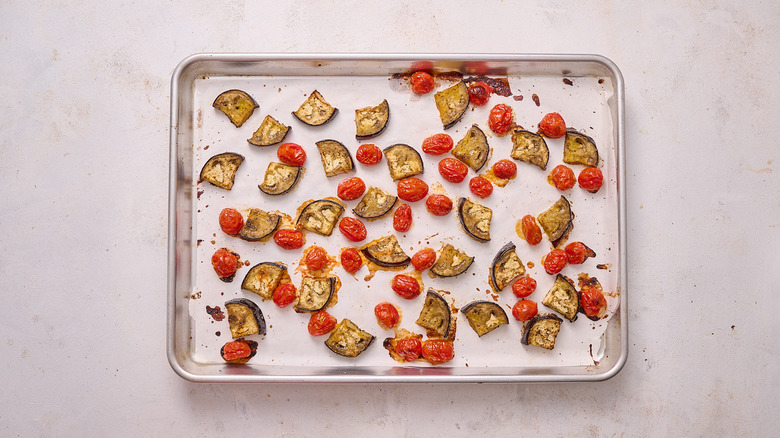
x,y
479,93
437,351
552,125
523,287
386,315
351,260
562,177
321,323
438,205
405,286
554,261
480,186
225,262
369,154
236,350
592,302
284,294
453,170
230,221
591,179
410,349
505,169
437,144
524,310
501,119
577,252
423,259
316,258
402,218
422,82
289,239
353,229
412,189
531,231
292,154
351,188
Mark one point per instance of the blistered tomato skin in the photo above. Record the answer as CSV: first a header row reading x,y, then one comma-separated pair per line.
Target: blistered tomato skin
x,y
410,349
453,170
353,229
405,286
479,93
289,239
524,310
402,218
562,177
438,205
292,154
351,260
321,323
524,287
591,179
577,253
412,189
505,169
424,259
438,351
386,315
368,154
552,126
555,261
437,144
481,186
236,350
592,301
284,294
351,189
422,82
225,262
316,258
501,119
531,231
230,221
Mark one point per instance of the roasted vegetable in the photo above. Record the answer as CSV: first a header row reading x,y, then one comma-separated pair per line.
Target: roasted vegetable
x,y
403,161
315,111
237,105
315,293
335,157
435,314
541,330
386,252
484,316
557,221
269,133
578,148
347,339
320,216
530,148
451,262
473,148
506,267
259,224
475,219
562,297
452,103
220,170
280,178
238,351
375,203
263,278
245,318
371,121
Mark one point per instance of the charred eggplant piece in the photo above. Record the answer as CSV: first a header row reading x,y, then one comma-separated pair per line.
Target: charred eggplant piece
x,y
371,121
562,297
259,225
238,351
506,267
237,105
270,132
451,262
484,316
315,293
403,161
578,148
475,219
452,103
435,315
375,203
530,148
349,340
473,148
264,278
220,170
245,318
541,330
335,157
315,111
280,178
386,252
320,216
557,221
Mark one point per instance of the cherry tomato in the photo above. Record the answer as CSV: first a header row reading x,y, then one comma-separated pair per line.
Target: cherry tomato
x,y
438,205
422,82
405,286
423,259
410,349
554,261
531,231
351,260
552,125
578,252
412,189
292,154
453,170
523,287
368,154
230,221
505,169
592,302
480,186
501,119
289,239
591,179
479,93
236,350
321,323
437,351
524,310
351,188
402,218
386,315
353,229
225,262
437,144
284,294
562,177
316,258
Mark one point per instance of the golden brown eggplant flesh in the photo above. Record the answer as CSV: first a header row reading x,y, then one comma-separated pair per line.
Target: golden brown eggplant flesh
x,y
245,318
557,221
435,315
237,105
530,148
562,297
403,161
259,225
270,132
484,316
386,252
473,149
220,170
263,278
452,103
541,330
451,262
280,178
371,121
475,219
320,216
336,158
315,293
348,340
315,110
578,148
375,204
506,267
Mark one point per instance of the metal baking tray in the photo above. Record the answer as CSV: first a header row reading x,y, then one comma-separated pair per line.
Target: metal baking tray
x,y
586,89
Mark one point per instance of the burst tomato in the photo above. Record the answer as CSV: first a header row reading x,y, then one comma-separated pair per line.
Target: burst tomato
x,y
410,349
592,302
562,177
437,144
405,286
351,260
230,221
289,239
321,323
422,82
225,262
554,261
578,252
316,258
402,218
351,188
480,186
531,231
501,119
437,351
284,294
524,287
591,179
235,350
479,93
368,154
423,259
524,310
453,170
353,229
386,315
438,205
412,189
552,125
292,154
505,169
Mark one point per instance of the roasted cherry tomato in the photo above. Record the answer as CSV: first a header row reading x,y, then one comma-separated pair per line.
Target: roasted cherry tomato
x,y
422,82
230,221
292,154
524,310
284,294
437,351
351,260
552,125
523,287
289,239
480,186
453,170
386,315
531,231
479,93
438,205
351,188
423,259
554,261
501,119
592,302
412,189
402,218
562,177
235,350
437,144
316,258
225,262
410,349
577,252
405,286
321,323
352,229
368,154
591,179
505,169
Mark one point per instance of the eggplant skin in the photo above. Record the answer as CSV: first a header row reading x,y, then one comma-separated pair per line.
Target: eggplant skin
x,y
335,157
475,219
220,170
506,267
530,148
563,298
348,340
270,132
237,105
484,316
541,330
371,121
451,262
315,110
263,278
280,178
403,161
557,221
320,216
578,148
315,293
473,149
452,103
375,204
245,318
259,225
435,314
386,252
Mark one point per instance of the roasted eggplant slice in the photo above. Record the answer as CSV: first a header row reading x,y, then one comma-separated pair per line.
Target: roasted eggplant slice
x,y
435,315
270,132
259,225
506,267
280,178
375,203
403,161
578,148
315,293
237,105
484,316
238,351
349,340
475,219
220,170
263,278
557,221
320,216
245,318
451,262
386,252
371,121
530,148
335,157
562,297
315,111
473,148
541,330
452,103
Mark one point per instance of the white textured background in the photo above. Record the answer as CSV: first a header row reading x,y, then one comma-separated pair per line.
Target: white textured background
x,y
84,112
